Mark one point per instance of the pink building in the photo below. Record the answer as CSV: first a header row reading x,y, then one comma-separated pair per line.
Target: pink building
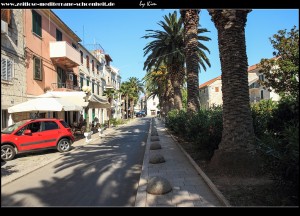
x,y
51,53
51,60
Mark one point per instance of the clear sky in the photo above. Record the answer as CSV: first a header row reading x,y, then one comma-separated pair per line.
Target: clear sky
x,y
119,32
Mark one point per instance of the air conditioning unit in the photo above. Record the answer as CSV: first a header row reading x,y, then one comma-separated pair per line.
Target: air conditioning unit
x,y
4,27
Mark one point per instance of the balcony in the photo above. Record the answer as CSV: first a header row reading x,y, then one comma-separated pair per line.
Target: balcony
x,y
63,54
64,87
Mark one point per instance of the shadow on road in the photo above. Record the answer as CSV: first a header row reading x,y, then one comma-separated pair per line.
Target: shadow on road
x,y
99,174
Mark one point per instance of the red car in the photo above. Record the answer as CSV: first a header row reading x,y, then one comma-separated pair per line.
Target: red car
x,y
35,134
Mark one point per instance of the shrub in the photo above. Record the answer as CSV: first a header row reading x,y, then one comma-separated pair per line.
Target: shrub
x,y
176,121
262,113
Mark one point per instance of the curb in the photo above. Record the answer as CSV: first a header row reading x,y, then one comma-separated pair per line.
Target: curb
x,y
207,180
141,194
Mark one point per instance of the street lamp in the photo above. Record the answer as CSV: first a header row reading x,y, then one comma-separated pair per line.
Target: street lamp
x,y
87,91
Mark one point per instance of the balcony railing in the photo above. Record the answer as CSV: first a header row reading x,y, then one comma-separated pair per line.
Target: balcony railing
x,y
64,54
66,86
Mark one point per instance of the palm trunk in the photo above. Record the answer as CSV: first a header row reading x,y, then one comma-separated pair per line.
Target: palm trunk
x,y
131,107
177,76
123,107
191,22
126,106
235,150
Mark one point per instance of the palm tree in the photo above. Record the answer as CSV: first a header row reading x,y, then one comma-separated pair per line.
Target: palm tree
x,y
192,50
234,153
124,91
156,84
136,87
168,48
109,93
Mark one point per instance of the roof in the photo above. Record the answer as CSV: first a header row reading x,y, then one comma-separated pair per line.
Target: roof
x,y
250,68
209,82
253,67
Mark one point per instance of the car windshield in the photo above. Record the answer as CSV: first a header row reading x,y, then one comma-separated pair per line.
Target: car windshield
x,y
10,129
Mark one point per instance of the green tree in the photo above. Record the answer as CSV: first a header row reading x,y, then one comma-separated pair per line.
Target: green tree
x,y
136,87
282,71
125,91
168,49
110,94
156,84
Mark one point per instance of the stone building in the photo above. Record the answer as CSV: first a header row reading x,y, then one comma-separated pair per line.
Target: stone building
x,y
13,69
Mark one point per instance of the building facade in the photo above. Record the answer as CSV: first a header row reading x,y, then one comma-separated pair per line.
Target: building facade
x,y
92,73
13,68
152,106
211,91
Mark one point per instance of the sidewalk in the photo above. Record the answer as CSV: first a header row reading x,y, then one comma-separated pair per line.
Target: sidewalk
x,y
190,186
14,169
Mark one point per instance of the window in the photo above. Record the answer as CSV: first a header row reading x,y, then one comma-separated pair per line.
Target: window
x,y
93,87
81,81
87,81
34,127
261,77
75,83
98,88
154,103
6,69
97,68
49,125
61,78
87,61
262,94
58,35
93,65
81,57
37,68
36,23
216,89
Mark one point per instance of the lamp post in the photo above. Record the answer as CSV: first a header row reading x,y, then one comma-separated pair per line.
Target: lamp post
x,y
87,91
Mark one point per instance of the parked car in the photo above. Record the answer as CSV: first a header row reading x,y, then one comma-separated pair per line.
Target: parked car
x,y
35,134
140,114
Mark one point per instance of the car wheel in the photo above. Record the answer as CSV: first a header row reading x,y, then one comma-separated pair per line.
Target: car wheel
x,y
8,152
64,145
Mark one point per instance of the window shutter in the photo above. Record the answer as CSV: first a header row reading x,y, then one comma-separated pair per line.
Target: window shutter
x,y
9,70
3,69
6,69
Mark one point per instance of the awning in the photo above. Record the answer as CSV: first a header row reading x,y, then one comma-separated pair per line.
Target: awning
x,y
96,101
78,97
45,104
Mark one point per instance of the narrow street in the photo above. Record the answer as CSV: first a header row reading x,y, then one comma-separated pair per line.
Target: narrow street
x,y
102,173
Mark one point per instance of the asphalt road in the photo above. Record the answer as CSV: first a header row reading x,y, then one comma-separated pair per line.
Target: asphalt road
x,y
103,173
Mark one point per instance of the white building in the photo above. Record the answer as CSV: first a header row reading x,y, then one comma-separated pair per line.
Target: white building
x,y
152,103
211,91
92,73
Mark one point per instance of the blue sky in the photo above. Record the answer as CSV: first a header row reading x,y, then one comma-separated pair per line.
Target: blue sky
x,y
119,32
